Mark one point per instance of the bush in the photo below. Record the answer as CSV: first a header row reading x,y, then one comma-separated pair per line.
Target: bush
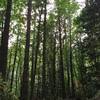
x,y
5,93
97,96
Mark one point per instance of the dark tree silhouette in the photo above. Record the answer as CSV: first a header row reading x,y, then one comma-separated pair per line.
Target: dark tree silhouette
x,y
4,40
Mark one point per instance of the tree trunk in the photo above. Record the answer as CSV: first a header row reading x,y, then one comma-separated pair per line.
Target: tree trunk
x,y
9,65
61,69
14,63
17,77
25,77
71,64
34,64
44,53
54,69
4,40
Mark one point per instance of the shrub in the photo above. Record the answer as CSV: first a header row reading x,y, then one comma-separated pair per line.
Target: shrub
x,y
5,93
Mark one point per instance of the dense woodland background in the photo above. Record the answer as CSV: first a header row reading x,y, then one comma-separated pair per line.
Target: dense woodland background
x,y
49,50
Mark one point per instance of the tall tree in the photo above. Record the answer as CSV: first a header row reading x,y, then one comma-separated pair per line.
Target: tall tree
x,y
4,40
36,50
14,62
44,53
25,77
88,22
61,67
70,55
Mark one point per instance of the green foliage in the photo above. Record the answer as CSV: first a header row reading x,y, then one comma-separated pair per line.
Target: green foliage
x,y
85,36
5,93
66,7
2,4
88,29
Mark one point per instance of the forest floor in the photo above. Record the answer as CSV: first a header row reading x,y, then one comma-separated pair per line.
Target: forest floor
x,y
96,97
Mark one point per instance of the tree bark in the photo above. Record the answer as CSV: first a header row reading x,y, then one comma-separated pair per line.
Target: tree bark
x,y
4,41
44,53
34,62
24,93
61,67
14,62
71,64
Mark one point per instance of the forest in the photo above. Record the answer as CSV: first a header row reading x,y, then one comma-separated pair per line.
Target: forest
x,y
49,49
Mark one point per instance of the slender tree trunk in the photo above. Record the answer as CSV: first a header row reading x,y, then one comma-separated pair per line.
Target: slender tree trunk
x,y
4,40
9,65
67,57
44,54
39,79
71,64
18,69
14,63
34,62
53,71
63,94
24,93
32,70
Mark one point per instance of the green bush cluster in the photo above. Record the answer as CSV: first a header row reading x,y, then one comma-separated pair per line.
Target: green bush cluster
x,y
5,93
